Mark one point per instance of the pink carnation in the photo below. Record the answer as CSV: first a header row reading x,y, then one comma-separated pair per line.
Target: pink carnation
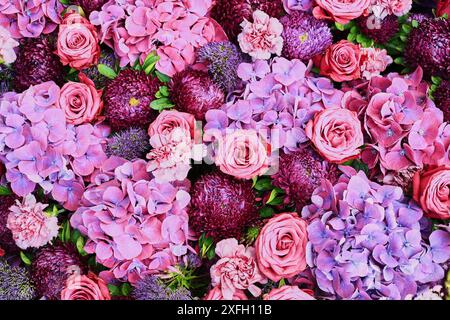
x,y
262,37
30,225
288,293
236,269
373,62
7,45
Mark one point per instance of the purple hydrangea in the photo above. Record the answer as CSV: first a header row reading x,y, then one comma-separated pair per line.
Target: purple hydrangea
x,y
223,59
279,99
365,241
40,149
304,36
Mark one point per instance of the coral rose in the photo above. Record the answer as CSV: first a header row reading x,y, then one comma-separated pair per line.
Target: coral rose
x,y
77,44
216,294
242,154
288,293
82,287
336,134
281,247
341,11
236,269
341,61
80,101
432,191
160,130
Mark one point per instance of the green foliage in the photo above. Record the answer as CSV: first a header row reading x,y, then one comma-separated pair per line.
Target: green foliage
x,y
207,247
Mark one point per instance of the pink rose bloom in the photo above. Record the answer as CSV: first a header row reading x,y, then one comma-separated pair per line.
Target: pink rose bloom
x,y
373,62
82,287
77,42
341,61
7,45
432,190
80,101
166,122
288,293
336,134
281,247
236,269
399,7
262,37
30,225
341,11
242,154
216,294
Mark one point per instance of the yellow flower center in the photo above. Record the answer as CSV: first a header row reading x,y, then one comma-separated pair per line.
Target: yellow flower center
x,y
303,37
133,102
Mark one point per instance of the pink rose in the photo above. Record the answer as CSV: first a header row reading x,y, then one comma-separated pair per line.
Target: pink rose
x,y
373,62
341,61
336,134
80,101
288,293
82,287
432,190
400,7
262,37
160,129
236,269
242,154
216,294
77,42
281,247
341,11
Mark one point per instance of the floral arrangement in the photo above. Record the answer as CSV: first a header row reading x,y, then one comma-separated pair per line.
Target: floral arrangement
x,y
224,150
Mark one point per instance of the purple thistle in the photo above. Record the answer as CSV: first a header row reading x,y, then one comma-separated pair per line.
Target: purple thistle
x,y
15,283
152,288
304,36
223,60
107,58
130,144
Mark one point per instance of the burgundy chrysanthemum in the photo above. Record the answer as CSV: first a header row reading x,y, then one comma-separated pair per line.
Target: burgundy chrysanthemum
x,y
6,239
51,267
194,92
90,5
429,47
127,100
230,13
300,173
304,36
222,206
36,63
442,98
387,28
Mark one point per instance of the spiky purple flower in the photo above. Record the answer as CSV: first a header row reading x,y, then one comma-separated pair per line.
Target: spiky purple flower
x,y
382,32
130,144
6,239
107,58
302,172
152,288
15,283
194,92
223,59
222,206
304,36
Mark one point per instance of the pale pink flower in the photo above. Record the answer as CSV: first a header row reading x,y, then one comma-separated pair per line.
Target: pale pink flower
x,y
262,37
236,269
400,7
31,227
7,45
373,62
216,294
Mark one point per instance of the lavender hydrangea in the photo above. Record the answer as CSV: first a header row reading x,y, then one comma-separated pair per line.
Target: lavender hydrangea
x,y
129,144
152,288
304,36
279,99
365,241
15,283
223,59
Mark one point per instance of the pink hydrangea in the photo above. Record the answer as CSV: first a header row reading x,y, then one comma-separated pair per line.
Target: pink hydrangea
x,y
30,225
39,148
262,37
7,45
236,269
134,224
30,18
175,29
373,61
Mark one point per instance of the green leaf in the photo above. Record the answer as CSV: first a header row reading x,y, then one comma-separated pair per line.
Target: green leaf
x,y
211,254
436,80
25,258
114,290
360,38
415,23
75,235
354,29
339,26
65,232
282,283
254,181
161,104
80,246
164,91
65,2
106,71
266,212
162,77
125,289
403,38
272,196
351,37
277,201
263,184
151,59
5,191
406,28
400,61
